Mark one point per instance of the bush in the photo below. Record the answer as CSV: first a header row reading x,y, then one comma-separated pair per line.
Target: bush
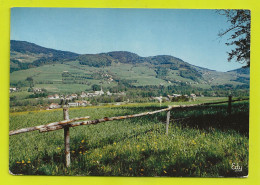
x,y
180,99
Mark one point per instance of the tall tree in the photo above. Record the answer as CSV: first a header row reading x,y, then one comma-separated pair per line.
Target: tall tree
x,y
239,29
30,80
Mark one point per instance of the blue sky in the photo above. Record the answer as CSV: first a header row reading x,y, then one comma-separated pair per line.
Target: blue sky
x,y
187,34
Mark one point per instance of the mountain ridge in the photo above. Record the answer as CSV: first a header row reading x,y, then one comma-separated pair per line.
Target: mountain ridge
x,y
121,66
123,56
24,46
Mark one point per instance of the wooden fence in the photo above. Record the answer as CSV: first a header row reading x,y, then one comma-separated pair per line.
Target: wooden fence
x,y
67,122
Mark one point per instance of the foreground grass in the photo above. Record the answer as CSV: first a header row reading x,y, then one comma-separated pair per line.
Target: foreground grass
x,y
202,141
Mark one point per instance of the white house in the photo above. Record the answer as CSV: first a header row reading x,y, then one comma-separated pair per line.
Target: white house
x,y
176,95
109,93
56,96
99,93
193,95
68,98
12,89
74,95
50,97
35,90
73,104
91,94
54,106
83,95
158,98
82,103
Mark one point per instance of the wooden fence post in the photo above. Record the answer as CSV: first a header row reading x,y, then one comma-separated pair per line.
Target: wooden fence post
x,y
66,136
229,104
167,122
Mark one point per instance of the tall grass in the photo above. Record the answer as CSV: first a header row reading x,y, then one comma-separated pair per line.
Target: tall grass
x,y
202,142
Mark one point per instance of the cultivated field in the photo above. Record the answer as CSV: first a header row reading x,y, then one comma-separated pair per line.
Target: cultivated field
x,y
202,141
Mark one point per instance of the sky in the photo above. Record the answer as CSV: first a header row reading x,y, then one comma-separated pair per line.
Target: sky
x,y
191,35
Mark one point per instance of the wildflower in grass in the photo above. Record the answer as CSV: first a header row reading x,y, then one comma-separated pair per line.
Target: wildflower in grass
x,y
142,170
193,142
82,141
80,152
58,148
137,146
142,149
164,171
28,161
18,162
73,151
100,155
164,167
130,169
22,161
114,143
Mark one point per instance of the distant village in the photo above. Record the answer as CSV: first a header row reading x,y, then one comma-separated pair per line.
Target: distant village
x,y
73,99
191,97
79,103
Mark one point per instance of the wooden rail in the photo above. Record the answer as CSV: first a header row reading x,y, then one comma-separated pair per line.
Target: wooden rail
x,y
30,129
66,123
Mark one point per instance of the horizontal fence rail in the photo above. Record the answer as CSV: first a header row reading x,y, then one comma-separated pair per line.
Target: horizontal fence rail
x,y
29,129
66,123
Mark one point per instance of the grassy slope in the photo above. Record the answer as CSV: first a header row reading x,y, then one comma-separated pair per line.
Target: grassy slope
x,y
143,74
204,144
26,57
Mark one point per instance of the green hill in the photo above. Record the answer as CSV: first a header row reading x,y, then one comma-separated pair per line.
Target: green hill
x,y
112,70
25,55
245,71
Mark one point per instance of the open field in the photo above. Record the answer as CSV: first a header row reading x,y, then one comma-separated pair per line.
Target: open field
x,y
202,141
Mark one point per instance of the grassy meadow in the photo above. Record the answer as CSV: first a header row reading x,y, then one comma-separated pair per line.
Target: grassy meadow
x,y
50,76
202,142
